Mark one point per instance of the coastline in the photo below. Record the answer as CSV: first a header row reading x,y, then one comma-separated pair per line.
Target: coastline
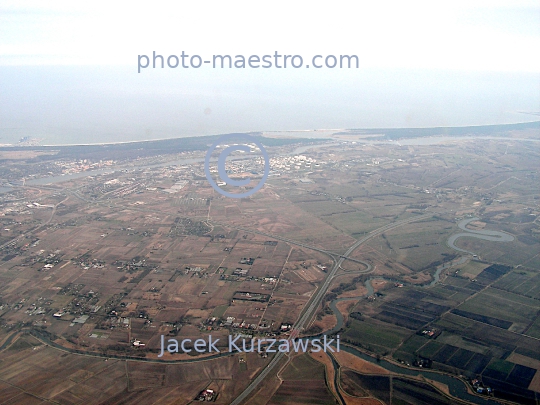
x,y
290,134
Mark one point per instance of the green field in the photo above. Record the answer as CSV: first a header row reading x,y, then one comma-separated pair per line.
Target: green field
x,y
219,311
471,269
534,329
453,297
374,336
304,368
414,343
461,296
417,246
440,291
455,323
503,305
521,282
457,282
458,341
502,366
408,350
356,224
430,349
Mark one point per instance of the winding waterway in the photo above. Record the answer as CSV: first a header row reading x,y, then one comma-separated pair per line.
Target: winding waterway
x,y
493,236
371,291
457,387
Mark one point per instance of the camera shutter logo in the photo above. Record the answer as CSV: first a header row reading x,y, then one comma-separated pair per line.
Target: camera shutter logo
x,y
221,165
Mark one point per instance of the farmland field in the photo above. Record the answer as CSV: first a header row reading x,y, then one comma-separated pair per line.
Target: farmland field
x,y
516,309
95,270
374,335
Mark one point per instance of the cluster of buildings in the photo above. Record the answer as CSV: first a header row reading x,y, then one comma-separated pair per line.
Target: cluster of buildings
x,y
21,207
137,343
206,395
297,162
231,322
480,388
240,272
78,166
422,363
431,333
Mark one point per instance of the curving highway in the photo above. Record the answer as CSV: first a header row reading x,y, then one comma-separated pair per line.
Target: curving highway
x,y
311,308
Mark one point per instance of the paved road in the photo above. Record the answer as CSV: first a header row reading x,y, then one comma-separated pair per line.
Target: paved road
x,y
292,242
313,304
311,308
281,238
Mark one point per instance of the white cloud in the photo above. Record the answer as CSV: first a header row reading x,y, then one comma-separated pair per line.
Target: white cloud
x,y
477,36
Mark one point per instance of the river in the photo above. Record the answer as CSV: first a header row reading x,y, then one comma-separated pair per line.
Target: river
x,y
493,236
458,388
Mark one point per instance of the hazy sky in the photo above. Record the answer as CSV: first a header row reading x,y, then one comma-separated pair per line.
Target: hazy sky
x,y
68,70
